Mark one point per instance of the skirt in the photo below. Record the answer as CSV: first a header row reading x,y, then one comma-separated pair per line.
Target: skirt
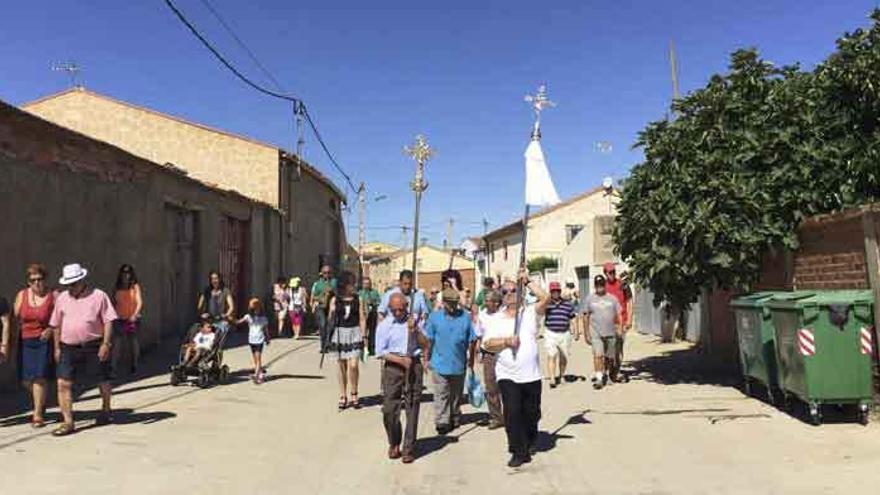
x,y
34,359
346,342
296,317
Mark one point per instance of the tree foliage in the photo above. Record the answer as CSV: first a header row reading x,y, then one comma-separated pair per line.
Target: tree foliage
x,y
745,159
541,263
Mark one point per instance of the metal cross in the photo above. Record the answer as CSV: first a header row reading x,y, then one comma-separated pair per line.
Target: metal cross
x,y
539,101
421,152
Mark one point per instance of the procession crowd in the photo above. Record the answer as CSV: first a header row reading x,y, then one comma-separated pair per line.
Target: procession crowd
x,y
442,333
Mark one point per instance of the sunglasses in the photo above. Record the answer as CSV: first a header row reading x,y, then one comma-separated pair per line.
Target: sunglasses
x,y
34,280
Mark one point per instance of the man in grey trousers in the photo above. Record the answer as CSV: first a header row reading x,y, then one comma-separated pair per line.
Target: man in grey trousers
x,y
453,343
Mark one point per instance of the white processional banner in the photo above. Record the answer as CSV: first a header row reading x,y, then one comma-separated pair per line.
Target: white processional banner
x,y
539,186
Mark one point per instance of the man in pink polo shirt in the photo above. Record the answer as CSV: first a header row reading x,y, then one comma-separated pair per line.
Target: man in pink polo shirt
x,y
82,322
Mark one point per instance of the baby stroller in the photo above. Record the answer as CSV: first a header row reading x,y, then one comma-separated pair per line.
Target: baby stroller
x,y
207,368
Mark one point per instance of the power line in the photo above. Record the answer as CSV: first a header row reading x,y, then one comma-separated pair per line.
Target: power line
x,y
242,44
298,104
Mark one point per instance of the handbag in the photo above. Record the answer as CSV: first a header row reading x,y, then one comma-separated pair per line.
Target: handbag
x,y
476,395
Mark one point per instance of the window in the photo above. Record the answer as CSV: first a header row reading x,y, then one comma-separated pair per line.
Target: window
x,y
505,250
571,231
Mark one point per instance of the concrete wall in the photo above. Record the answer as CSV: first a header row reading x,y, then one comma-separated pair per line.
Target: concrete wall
x,y
315,231
228,161
313,223
67,198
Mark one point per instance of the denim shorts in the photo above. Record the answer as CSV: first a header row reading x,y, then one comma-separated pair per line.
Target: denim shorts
x,y
35,359
78,361
257,347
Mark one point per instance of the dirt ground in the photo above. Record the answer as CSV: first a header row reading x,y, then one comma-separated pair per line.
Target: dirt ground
x,y
678,427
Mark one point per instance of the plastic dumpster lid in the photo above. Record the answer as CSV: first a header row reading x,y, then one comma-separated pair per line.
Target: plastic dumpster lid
x,y
758,299
829,297
790,300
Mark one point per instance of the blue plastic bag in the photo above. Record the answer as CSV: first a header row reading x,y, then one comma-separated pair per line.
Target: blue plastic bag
x,y
476,396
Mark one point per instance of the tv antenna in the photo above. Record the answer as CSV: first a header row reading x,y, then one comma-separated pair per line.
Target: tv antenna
x,y
72,69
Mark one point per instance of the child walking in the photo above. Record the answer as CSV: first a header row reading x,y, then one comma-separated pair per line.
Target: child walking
x,y
258,336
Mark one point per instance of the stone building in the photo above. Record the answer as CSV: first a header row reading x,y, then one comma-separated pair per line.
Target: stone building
x,y
66,197
309,202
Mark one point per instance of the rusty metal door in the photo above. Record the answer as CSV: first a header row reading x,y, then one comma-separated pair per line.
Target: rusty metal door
x,y
234,235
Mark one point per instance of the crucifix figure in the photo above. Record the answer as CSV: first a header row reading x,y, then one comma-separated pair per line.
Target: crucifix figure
x,y
539,101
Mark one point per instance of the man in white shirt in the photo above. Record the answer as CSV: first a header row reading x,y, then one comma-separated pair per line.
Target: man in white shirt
x,y
518,368
491,303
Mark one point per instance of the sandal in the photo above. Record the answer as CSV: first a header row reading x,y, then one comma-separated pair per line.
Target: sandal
x,y
63,430
38,423
355,403
343,403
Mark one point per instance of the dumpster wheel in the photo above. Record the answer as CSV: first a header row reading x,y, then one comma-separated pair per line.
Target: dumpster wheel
x,y
815,414
864,414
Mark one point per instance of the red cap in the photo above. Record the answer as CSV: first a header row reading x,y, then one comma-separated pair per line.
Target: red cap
x,y
555,286
609,267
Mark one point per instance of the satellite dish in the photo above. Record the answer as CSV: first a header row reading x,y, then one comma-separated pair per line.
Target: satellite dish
x,y
607,183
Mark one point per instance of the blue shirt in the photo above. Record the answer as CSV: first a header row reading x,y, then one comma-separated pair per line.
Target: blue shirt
x,y
391,338
419,309
450,337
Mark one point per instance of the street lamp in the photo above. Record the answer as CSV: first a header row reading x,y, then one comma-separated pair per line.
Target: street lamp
x,y
421,152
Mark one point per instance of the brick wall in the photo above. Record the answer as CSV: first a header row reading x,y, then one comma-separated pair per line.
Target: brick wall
x,y
831,255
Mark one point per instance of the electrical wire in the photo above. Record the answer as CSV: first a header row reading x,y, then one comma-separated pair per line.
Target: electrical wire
x,y
242,44
296,101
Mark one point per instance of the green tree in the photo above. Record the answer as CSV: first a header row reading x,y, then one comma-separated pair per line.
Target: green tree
x,y
541,263
745,160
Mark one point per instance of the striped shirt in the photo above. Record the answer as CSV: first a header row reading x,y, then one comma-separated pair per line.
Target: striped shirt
x,y
559,315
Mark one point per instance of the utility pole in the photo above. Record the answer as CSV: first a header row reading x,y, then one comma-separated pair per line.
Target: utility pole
x,y
448,242
421,152
362,228
486,246
673,67
404,238
299,111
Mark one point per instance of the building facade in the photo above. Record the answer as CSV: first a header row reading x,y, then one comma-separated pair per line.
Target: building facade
x,y
551,232
310,204
432,261
69,198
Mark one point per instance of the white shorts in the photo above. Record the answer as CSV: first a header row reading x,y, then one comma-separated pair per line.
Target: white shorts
x,y
557,342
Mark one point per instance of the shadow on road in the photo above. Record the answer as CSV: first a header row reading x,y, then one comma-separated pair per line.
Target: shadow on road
x,y
155,361
685,366
665,412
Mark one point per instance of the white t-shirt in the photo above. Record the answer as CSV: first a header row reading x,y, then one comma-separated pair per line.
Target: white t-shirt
x,y
256,328
204,340
526,366
482,319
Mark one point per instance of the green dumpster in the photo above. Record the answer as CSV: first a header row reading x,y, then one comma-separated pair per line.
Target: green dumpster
x,y
757,340
824,345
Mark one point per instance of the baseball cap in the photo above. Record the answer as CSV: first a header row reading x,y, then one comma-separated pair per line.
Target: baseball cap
x,y
555,286
450,295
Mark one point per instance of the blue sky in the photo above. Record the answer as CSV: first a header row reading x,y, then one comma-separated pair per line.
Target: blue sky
x,y
376,73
